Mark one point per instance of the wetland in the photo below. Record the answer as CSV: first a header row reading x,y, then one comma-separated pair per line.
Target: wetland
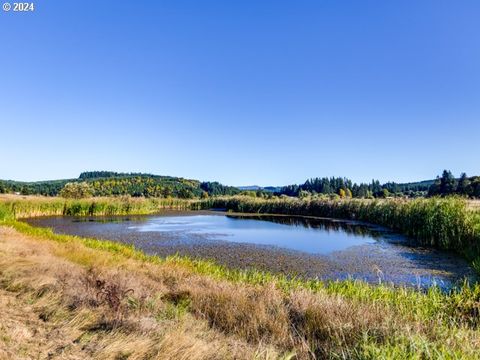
x,y
308,247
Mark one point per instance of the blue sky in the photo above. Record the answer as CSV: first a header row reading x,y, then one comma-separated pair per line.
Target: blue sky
x,y
243,92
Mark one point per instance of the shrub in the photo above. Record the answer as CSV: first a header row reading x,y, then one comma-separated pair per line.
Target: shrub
x,y
76,190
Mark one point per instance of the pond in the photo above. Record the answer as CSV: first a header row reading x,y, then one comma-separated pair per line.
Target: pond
x,y
298,246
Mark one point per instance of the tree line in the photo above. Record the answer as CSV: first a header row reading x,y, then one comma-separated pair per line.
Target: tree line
x,y
343,187
443,185
108,183
447,184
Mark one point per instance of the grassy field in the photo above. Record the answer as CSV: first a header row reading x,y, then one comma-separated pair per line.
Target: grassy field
x,y
69,297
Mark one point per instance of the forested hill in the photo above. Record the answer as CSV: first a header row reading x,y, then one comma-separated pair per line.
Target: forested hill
x,y
107,183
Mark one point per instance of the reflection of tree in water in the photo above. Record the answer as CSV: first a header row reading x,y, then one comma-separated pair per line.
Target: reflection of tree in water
x,y
110,219
321,224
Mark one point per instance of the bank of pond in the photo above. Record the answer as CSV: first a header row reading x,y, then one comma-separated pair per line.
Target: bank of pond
x,y
415,242
307,247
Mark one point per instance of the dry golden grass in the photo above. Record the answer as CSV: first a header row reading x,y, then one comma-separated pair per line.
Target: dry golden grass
x,y
53,308
474,204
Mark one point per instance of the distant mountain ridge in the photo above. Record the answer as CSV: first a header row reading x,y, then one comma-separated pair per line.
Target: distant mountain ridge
x,y
261,188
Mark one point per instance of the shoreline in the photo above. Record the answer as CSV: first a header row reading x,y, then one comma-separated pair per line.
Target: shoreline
x,y
386,260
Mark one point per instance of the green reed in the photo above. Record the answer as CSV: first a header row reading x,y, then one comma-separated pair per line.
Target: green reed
x,y
39,206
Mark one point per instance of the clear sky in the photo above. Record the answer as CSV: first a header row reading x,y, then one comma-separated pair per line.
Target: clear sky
x,y
243,92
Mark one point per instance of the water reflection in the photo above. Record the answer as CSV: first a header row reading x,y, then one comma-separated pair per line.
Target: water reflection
x,y
328,225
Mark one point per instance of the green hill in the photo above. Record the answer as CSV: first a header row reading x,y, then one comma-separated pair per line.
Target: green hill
x,y
108,183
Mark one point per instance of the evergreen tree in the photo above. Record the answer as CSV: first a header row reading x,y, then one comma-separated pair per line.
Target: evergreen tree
x,y
463,185
447,183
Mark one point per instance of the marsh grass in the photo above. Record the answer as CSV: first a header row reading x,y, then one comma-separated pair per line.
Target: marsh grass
x,y
33,206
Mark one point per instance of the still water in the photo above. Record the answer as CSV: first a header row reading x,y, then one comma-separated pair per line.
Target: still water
x,y
308,247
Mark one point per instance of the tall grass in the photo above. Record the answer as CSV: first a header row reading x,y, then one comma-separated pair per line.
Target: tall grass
x,y
45,206
444,223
